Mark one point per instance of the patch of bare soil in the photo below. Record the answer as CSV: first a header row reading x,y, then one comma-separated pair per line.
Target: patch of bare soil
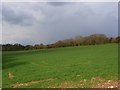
x,y
66,85
10,75
93,79
108,84
29,83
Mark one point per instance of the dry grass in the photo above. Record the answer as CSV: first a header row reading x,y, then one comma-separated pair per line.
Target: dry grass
x,y
10,75
29,83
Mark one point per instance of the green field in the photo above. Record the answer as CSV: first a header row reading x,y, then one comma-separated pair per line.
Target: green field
x,y
79,66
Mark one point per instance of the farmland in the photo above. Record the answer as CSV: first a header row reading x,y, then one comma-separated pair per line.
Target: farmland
x,y
69,67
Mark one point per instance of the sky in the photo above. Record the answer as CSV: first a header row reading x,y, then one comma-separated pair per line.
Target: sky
x,y
47,22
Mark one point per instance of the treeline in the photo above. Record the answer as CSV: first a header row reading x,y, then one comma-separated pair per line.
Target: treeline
x,y
77,41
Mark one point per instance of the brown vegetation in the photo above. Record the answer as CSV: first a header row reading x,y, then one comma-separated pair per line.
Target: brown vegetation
x,y
10,75
29,83
77,41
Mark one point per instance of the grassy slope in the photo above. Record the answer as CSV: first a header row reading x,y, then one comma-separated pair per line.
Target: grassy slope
x,y
0,69
71,64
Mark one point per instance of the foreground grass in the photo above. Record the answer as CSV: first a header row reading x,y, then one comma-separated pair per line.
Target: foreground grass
x,y
0,69
80,66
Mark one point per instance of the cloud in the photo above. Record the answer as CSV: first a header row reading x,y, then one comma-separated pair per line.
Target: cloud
x,y
60,0
20,14
0,32
119,18
13,17
58,3
31,23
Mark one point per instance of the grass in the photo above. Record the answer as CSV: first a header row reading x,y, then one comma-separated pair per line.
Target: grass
x,y
0,69
67,67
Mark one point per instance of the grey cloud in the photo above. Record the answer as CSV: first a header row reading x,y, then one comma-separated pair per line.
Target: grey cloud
x,y
12,17
60,23
0,11
58,3
119,18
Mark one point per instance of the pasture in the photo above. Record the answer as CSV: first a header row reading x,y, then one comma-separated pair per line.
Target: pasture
x,y
69,67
